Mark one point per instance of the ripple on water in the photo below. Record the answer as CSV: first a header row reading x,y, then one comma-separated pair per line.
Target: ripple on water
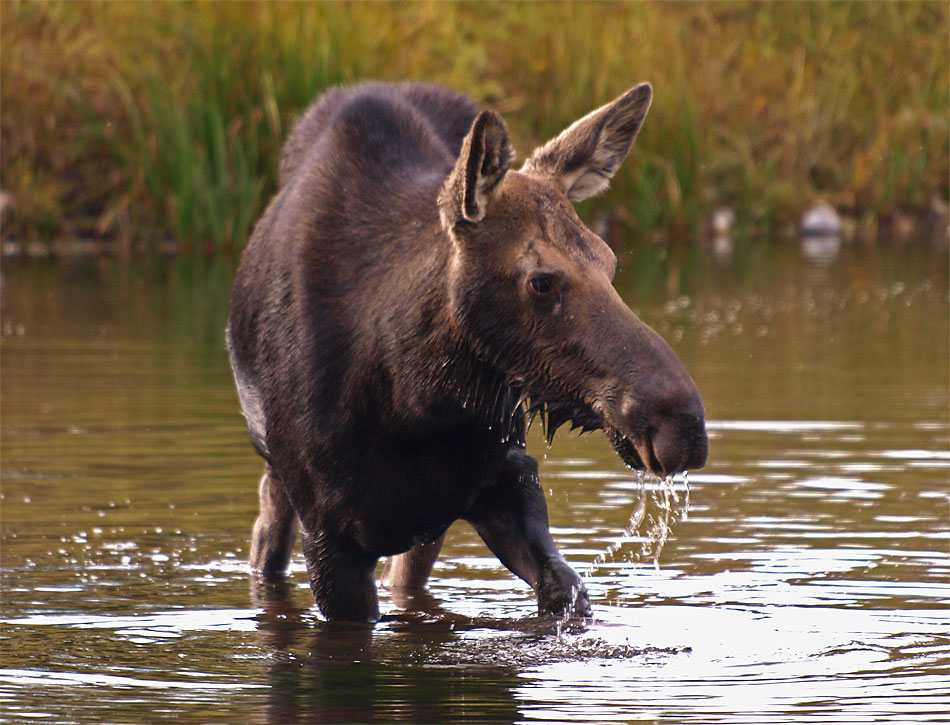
x,y
808,582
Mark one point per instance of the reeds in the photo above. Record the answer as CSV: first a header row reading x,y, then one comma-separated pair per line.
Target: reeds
x,y
164,120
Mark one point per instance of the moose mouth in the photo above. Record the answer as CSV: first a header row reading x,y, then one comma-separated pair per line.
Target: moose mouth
x,y
678,443
639,450
628,451
554,414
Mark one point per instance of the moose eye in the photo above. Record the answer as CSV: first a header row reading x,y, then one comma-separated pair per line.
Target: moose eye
x,y
541,285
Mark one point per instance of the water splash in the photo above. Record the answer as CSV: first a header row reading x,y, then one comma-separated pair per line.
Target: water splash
x,y
565,615
565,618
658,507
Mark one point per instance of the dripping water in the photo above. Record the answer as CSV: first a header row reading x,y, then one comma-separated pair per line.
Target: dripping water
x,y
659,530
658,508
685,513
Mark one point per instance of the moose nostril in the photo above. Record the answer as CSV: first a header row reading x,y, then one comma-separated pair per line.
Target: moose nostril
x,y
667,451
680,444
670,428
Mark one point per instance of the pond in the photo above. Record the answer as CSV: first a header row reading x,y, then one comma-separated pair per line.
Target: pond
x,y
805,580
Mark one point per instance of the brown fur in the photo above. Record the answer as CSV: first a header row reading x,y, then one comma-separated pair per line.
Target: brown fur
x,y
406,305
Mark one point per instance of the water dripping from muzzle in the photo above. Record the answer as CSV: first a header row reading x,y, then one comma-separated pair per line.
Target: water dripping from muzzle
x,y
658,508
685,496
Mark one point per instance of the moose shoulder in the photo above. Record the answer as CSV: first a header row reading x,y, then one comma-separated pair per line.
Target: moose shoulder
x,y
406,301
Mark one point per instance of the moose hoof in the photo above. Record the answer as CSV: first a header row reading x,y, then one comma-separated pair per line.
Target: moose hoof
x,y
561,591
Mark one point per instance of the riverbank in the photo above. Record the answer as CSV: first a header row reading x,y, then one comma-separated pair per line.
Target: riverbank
x,y
163,121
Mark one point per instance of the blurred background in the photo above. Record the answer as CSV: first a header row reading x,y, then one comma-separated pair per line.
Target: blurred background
x,y
157,126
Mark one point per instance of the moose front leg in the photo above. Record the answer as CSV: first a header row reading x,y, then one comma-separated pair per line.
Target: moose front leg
x,y
342,577
511,516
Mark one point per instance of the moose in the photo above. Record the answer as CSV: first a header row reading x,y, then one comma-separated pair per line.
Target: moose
x,y
407,304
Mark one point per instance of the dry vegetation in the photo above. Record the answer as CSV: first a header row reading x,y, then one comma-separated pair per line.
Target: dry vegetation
x,y
130,120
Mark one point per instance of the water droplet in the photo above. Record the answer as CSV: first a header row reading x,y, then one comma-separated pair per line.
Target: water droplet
x,y
685,514
561,623
658,508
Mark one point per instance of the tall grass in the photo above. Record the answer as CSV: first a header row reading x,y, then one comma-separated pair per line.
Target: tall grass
x,y
164,120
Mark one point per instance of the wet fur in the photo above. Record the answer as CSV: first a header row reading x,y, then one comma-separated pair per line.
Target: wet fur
x,y
387,361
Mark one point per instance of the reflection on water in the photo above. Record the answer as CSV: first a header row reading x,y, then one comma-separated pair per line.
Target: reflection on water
x,y
806,580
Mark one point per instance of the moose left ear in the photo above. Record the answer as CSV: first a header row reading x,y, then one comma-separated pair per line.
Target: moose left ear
x,y
585,157
475,181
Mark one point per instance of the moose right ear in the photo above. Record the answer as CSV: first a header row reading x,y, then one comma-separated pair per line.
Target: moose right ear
x,y
475,181
588,153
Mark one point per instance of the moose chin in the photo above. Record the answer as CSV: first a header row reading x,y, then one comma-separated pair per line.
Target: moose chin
x,y
407,303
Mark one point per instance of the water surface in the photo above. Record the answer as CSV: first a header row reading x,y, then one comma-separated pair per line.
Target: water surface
x,y
807,582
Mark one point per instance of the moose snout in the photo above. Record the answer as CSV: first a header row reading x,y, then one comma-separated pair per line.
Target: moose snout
x,y
679,444
674,436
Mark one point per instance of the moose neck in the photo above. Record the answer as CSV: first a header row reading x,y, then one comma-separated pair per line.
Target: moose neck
x,y
441,373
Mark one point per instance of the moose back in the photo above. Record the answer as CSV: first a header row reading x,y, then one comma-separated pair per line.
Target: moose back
x,y
407,302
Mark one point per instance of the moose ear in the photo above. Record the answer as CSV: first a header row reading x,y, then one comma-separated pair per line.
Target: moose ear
x,y
587,154
475,181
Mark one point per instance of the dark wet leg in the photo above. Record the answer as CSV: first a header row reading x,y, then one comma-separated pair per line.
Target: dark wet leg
x,y
512,518
275,531
411,570
342,578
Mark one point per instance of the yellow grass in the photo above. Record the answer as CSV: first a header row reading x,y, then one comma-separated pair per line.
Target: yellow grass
x,y
164,120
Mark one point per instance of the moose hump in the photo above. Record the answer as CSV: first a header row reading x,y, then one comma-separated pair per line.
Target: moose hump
x,y
406,303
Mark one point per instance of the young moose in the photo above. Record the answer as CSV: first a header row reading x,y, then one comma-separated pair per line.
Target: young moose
x,y
406,303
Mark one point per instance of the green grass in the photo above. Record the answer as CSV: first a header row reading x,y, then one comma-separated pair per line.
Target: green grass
x,y
150,121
